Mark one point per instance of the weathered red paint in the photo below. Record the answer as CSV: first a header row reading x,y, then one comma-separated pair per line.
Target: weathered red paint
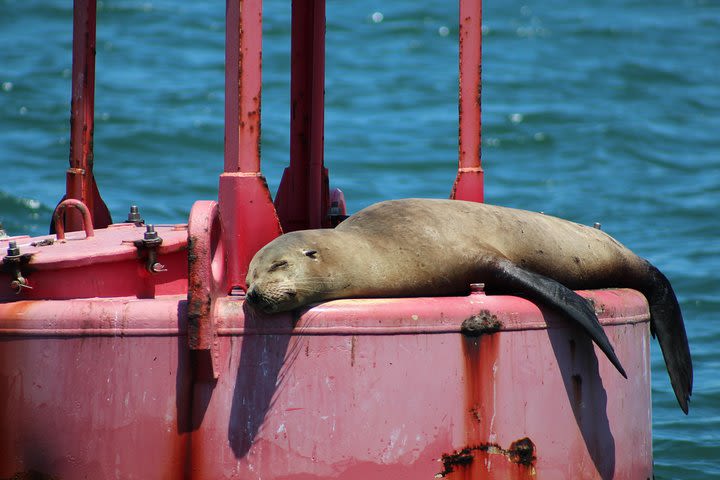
x,y
302,199
80,182
206,282
106,264
93,388
469,181
385,389
376,388
482,456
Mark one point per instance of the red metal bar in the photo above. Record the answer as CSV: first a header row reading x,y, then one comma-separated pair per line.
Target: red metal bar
x,y
248,215
302,198
243,85
83,99
80,183
469,182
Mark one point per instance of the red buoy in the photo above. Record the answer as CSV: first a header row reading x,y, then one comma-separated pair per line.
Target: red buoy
x,y
126,350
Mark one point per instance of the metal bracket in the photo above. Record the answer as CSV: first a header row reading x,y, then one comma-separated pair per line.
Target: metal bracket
x,y
148,249
13,263
206,282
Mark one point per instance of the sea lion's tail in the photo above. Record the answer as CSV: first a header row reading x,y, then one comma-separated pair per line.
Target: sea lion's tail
x,y
666,323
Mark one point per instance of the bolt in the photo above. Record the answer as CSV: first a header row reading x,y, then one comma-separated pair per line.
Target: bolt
x,y
134,215
597,225
158,267
19,283
477,288
237,291
150,233
334,209
13,250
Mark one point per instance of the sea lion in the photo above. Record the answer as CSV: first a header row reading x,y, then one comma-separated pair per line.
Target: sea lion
x,y
424,247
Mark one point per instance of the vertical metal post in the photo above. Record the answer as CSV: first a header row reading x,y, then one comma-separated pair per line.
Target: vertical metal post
x,y
243,86
469,181
302,198
80,183
247,213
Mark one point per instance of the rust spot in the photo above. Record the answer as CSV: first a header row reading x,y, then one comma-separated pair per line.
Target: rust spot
x,y
480,324
521,452
43,243
198,306
462,458
191,246
480,354
597,308
475,413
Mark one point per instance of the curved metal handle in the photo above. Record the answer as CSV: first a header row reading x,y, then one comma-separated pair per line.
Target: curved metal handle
x,y
59,221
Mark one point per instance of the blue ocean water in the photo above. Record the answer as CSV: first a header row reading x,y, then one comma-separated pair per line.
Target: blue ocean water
x,y
593,111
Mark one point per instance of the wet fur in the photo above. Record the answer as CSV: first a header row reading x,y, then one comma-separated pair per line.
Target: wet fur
x,y
420,247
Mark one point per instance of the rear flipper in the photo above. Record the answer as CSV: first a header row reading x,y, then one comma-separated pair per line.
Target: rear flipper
x,y
555,295
667,324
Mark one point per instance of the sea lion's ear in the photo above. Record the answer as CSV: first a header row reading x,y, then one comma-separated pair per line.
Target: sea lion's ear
x,y
310,253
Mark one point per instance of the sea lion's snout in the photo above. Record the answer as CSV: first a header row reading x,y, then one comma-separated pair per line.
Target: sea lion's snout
x,y
258,301
271,299
253,297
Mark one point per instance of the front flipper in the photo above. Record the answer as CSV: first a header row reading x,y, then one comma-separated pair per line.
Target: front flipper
x,y
509,277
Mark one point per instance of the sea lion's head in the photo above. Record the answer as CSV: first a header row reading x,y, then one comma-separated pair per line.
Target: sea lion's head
x,y
289,272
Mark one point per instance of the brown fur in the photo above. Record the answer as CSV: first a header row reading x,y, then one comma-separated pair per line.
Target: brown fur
x,y
419,247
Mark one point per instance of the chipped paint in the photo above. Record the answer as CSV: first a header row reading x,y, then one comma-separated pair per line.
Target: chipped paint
x,y
521,453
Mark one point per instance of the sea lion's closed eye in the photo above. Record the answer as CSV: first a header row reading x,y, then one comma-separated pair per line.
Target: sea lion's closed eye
x,y
277,264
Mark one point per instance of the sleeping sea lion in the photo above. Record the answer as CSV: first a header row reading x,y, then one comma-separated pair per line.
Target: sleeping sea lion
x,y
423,247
